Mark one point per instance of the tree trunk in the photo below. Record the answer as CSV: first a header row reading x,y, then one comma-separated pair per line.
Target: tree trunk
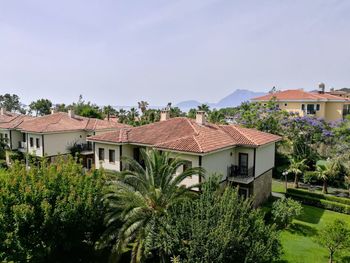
x,y
330,257
325,190
296,181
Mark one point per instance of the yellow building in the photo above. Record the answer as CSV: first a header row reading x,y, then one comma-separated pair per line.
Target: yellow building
x,y
319,104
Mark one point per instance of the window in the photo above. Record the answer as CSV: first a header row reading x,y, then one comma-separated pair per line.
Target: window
x,y
101,154
310,109
24,137
285,104
111,156
317,107
187,166
31,142
1,135
243,163
37,142
302,107
6,136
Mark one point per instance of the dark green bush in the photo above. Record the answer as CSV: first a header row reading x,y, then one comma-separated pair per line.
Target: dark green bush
x,y
318,202
332,198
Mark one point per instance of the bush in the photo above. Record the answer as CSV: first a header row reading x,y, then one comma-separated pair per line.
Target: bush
x,y
332,198
284,211
318,202
50,213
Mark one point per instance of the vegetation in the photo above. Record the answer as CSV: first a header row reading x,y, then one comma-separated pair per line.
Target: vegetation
x,y
11,102
297,167
220,226
140,199
300,239
50,213
335,236
41,107
284,211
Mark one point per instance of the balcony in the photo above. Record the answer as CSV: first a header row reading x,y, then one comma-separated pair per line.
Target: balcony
x,y
85,148
22,146
240,174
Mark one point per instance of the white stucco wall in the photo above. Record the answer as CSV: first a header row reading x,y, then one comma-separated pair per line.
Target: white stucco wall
x,y
37,151
265,159
59,143
218,162
105,162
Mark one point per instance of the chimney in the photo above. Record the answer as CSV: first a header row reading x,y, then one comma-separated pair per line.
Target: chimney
x,y
321,88
200,117
53,111
71,113
2,111
164,115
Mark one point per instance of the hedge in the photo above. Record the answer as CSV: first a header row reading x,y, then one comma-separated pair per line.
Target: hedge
x,y
332,198
318,202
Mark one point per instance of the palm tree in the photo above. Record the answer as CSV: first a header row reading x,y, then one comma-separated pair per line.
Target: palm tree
x,y
204,107
216,117
139,198
143,105
325,170
297,167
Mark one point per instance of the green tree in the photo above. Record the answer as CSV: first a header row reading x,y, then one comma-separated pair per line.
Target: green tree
x,y
220,227
41,107
284,211
335,236
139,198
192,113
11,102
50,213
216,117
109,110
204,107
143,105
86,109
326,170
297,167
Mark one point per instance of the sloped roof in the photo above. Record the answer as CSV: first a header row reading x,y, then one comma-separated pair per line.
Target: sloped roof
x,y
300,95
184,134
61,121
10,120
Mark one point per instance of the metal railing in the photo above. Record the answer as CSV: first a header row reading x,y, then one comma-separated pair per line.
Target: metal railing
x,y
240,171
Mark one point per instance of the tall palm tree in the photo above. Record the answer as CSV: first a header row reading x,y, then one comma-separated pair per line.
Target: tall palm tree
x,y
139,198
143,105
204,107
297,167
325,170
133,114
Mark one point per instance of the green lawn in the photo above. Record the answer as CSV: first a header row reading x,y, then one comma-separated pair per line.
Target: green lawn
x,y
299,241
280,187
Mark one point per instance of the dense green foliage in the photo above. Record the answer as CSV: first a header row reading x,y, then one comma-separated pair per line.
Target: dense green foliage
x,y
11,102
324,201
335,236
50,213
41,107
284,211
220,226
139,199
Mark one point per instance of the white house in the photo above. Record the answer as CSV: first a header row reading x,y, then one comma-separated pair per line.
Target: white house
x,y
242,156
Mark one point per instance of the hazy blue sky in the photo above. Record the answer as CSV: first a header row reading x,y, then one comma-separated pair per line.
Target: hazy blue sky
x,y
119,52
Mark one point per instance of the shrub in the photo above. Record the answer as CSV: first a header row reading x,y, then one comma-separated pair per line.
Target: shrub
x,y
284,211
318,202
50,213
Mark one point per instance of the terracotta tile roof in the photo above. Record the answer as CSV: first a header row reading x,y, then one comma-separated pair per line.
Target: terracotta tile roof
x,y
185,135
61,121
301,95
10,120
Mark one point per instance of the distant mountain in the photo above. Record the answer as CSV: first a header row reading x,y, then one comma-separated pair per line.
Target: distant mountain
x,y
231,100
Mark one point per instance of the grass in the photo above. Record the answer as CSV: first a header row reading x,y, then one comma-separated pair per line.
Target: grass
x,y
299,240
280,187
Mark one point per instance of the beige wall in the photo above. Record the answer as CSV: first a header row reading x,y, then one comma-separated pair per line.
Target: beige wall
x,y
59,143
218,162
334,111
265,159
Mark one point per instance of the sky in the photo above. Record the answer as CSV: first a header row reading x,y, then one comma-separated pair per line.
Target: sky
x,y
119,52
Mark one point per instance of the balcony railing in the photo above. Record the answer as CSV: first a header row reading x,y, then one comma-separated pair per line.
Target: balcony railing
x,y
240,171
